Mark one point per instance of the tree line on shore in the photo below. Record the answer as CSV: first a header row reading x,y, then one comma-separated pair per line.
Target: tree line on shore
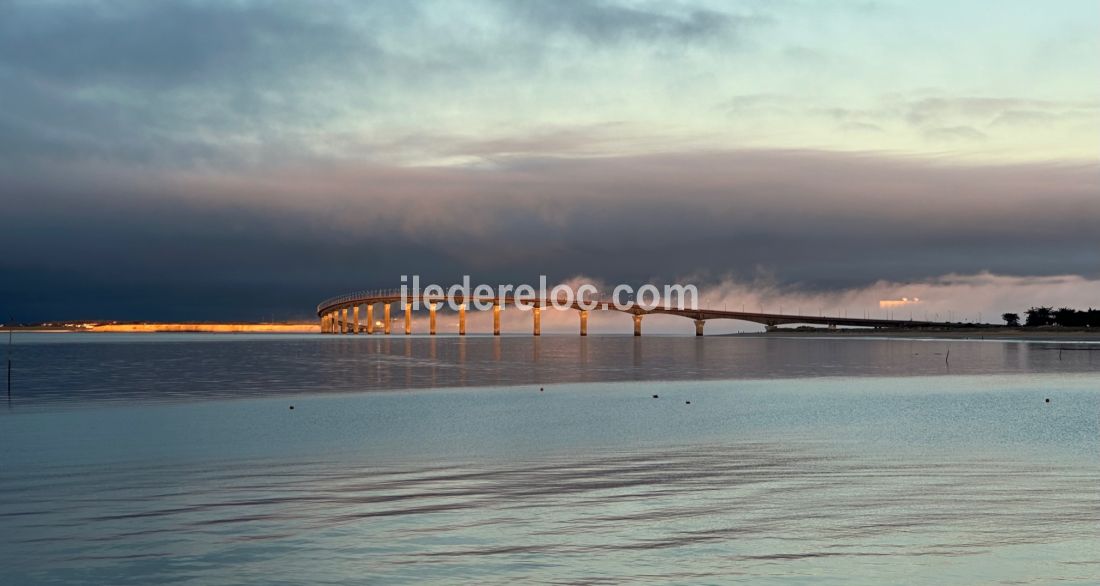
x,y
1048,316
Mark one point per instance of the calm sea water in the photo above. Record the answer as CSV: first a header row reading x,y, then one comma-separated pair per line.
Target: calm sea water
x,y
176,459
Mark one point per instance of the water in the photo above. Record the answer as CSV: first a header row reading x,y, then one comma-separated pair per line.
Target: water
x,y
154,459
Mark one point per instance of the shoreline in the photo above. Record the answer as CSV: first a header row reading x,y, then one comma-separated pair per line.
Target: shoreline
x,y
168,328
988,333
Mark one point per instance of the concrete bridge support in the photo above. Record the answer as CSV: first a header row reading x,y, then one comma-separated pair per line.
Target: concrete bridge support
x,y
344,320
584,322
386,318
637,324
462,319
699,327
431,318
496,317
408,318
370,318
536,313
355,319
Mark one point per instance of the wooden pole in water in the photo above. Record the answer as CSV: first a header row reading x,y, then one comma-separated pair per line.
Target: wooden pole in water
x,y
11,321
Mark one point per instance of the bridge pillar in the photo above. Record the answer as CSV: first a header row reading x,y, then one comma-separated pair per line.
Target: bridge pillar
x,y
370,318
536,313
496,317
699,327
462,319
355,319
431,318
408,318
637,324
386,318
584,322
344,320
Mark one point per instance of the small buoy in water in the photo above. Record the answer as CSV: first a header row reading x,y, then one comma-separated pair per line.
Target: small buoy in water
x,y
540,389
654,396
1048,399
687,402
292,407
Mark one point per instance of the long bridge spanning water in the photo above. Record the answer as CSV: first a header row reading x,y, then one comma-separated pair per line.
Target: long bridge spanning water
x,y
354,313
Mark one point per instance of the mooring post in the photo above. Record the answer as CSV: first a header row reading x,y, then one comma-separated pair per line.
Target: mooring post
x,y
11,330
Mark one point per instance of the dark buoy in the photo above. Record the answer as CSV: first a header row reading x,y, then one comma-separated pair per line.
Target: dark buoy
x,y
687,402
292,407
1048,399
654,396
540,389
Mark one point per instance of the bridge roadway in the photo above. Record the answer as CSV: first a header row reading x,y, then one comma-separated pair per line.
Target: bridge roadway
x,y
341,315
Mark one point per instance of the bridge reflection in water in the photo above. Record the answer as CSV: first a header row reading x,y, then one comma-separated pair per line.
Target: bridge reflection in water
x,y
343,315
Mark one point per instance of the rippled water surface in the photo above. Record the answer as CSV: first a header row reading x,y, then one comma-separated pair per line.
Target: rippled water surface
x,y
176,459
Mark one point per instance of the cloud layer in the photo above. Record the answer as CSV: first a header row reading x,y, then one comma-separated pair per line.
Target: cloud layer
x,y
195,159
194,82
811,220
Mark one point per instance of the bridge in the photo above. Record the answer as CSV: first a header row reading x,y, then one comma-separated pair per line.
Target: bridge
x,y
343,315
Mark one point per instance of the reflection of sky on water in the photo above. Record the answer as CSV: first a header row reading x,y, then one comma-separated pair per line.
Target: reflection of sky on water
x,y
848,478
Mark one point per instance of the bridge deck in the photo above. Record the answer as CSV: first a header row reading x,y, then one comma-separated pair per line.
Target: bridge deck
x,y
330,307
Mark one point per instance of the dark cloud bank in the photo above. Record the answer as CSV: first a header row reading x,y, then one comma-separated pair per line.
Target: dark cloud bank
x,y
94,241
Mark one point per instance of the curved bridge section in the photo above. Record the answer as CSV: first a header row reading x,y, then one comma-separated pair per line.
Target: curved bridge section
x,y
354,313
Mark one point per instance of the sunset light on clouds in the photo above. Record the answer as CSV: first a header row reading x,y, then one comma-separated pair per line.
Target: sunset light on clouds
x,y
326,147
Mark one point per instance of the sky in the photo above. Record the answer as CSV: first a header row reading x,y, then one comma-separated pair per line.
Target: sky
x,y
230,160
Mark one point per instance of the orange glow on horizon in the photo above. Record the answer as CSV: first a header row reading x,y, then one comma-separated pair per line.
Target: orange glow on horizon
x,y
892,303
